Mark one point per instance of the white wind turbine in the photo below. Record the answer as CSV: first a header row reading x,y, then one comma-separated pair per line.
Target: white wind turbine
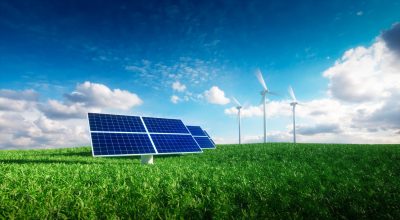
x,y
264,93
293,104
238,107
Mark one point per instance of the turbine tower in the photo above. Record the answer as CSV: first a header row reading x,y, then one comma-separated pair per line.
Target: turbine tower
x,y
238,107
293,104
264,93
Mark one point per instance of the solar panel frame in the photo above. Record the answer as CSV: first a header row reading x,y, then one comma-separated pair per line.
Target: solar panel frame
x,y
148,133
155,140
119,132
122,144
204,134
209,137
196,131
184,128
153,127
204,142
115,123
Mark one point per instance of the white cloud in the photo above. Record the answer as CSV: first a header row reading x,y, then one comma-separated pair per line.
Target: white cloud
x,y
27,95
177,86
216,96
273,108
364,74
11,100
175,99
57,110
98,95
26,122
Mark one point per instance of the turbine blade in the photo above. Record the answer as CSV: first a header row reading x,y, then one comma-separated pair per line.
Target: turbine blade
x,y
291,93
236,101
261,79
274,93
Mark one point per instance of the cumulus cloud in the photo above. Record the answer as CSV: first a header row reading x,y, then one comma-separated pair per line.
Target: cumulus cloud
x,y
57,110
27,122
318,129
392,38
11,100
177,86
216,96
273,108
364,74
27,95
91,97
98,95
175,99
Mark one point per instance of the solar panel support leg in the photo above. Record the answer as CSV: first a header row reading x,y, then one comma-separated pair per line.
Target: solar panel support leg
x,y
147,159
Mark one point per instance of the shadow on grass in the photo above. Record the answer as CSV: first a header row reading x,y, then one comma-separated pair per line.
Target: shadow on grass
x,y
69,154
45,161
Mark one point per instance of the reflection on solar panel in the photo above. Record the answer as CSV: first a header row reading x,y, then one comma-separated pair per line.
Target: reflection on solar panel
x,y
164,125
107,122
196,131
209,137
201,137
166,143
121,143
114,135
204,142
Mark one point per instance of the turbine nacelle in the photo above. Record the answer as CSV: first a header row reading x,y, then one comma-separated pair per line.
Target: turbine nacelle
x,y
264,92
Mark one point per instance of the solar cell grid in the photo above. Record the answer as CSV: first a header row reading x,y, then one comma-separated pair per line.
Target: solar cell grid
x,y
121,143
116,123
196,131
172,143
204,142
163,125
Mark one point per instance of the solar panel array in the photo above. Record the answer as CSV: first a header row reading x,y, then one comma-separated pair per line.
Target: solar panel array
x,y
120,135
201,137
209,137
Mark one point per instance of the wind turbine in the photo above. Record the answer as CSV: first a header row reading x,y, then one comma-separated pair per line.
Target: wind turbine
x,y
264,93
293,104
238,107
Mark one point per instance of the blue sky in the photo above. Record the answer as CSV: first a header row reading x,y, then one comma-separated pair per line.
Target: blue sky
x,y
143,47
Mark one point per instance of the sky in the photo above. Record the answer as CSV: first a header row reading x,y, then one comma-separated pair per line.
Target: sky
x,y
187,59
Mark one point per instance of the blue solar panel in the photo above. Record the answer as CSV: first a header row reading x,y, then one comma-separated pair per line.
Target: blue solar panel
x,y
116,123
196,131
108,144
164,125
209,137
204,142
173,143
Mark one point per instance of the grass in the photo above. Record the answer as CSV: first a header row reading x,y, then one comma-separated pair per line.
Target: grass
x,y
282,181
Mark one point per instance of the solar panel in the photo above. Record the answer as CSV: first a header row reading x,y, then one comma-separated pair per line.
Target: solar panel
x,y
173,143
209,137
204,142
196,131
121,144
134,135
164,125
201,137
115,123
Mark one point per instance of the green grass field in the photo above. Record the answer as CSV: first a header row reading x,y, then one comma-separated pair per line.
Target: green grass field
x,y
248,181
